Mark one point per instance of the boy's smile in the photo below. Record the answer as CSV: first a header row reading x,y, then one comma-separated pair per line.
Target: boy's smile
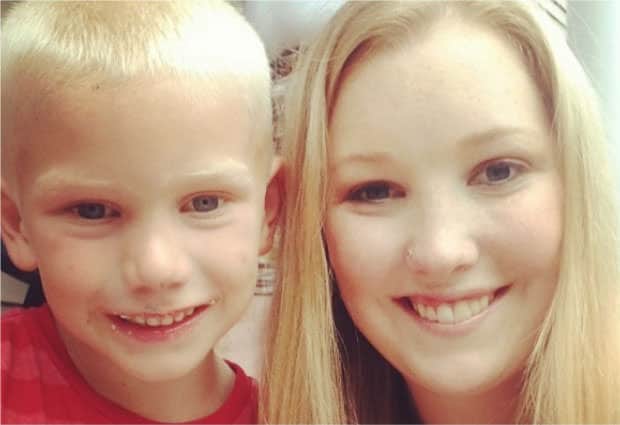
x,y
152,327
162,319
144,210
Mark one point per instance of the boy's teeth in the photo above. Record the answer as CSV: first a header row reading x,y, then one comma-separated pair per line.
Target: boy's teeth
x,y
153,321
156,321
449,313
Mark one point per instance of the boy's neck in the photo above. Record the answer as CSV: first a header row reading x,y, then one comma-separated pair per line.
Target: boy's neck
x,y
191,397
498,405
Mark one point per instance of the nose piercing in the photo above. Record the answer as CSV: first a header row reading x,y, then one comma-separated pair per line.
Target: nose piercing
x,y
410,258
213,301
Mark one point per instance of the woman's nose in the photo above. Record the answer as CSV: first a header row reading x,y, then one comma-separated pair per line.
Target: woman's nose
x,y
443,243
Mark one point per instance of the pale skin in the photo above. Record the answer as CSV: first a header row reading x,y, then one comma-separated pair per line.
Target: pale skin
x,y
144,200
438,181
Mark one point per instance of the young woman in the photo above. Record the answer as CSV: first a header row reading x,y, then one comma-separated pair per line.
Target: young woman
x,y
450,249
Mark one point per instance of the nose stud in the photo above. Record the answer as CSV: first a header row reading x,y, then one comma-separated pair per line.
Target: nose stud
x,y
410,259
213,301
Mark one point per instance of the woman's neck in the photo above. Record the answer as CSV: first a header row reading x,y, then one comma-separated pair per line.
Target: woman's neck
x,y
498,405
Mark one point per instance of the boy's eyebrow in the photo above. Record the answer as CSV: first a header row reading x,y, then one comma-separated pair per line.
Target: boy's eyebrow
x,y
470,141
56,180
227,173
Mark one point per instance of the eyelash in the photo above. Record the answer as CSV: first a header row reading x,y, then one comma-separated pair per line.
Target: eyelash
x,y
93,211
514,169
83,209
360,193
189,206
390,191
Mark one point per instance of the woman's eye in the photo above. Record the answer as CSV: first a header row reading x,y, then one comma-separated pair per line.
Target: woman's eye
x,y
497,172
374,192
203,203
94,211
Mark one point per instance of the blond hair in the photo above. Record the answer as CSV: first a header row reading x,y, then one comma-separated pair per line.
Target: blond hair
x,y
67,45
319,368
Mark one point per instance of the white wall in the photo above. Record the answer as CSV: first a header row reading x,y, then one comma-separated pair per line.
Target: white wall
x,y
283,24
593,29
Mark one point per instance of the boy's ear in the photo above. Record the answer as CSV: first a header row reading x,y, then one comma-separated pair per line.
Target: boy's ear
x,y
15,241
273,204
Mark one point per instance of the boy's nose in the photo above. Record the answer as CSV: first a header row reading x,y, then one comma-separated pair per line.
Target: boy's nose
x,y
155,260
442,244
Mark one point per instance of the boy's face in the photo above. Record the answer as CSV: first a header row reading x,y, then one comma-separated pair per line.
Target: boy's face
x,y
145,212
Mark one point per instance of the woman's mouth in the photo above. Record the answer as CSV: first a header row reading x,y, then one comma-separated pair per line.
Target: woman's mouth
x,y
451,312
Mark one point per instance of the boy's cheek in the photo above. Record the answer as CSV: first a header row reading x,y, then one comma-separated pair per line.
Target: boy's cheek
x,y
66,265
233,262
65,274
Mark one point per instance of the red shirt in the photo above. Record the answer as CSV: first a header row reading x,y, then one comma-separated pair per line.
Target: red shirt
x,y
40,384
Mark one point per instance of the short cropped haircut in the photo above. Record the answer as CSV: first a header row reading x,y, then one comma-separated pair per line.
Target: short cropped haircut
x,y
56,46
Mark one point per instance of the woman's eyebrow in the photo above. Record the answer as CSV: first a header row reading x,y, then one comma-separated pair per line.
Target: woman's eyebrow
x,y
476,139
363,158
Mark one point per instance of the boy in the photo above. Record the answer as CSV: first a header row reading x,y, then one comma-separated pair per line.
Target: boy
x,y
138,177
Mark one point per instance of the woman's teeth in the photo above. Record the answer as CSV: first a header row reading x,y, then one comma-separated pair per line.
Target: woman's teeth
x,y
451,313
155,320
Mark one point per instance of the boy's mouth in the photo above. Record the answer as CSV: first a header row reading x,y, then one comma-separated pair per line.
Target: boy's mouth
x,y
162,320
157,320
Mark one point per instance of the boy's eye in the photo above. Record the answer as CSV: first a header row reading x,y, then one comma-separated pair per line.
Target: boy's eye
x,y
203,203
94,211
497,172
374,192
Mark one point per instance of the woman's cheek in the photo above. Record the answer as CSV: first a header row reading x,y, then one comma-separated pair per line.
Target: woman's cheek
x,y
363,251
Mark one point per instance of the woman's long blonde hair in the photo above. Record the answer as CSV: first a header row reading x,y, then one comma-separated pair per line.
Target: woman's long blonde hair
x,y
319,369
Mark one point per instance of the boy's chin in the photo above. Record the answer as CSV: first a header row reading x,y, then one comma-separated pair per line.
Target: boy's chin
x,y
171,368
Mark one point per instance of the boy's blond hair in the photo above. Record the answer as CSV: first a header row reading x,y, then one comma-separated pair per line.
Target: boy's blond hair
x,y
573,373
53,46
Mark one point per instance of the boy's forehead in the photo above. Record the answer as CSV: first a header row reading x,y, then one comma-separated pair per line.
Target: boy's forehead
x,y
63,103
162,107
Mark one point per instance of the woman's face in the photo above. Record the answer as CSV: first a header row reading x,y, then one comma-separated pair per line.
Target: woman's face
x,y
444,219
